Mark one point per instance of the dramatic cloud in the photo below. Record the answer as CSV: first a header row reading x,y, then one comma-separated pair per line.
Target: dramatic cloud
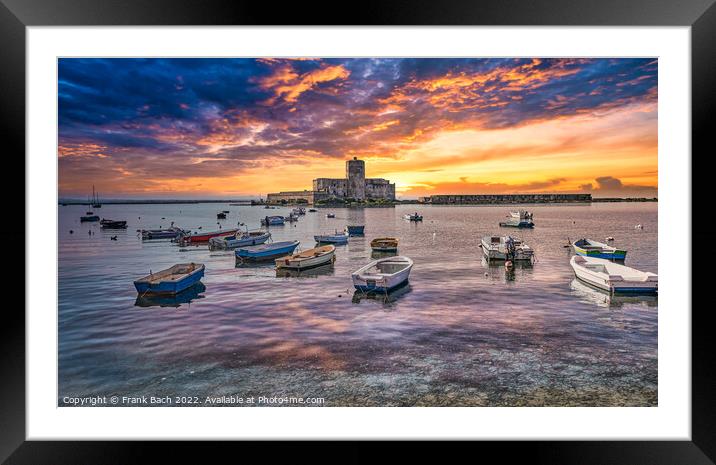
x,y
213,127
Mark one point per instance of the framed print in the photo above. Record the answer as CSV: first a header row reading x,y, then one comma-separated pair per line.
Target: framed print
x,y
469,224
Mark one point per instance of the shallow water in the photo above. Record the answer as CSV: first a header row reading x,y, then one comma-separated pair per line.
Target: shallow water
x,y
461,333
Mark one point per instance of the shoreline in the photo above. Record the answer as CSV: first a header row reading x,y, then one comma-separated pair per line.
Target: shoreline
x,y
248,203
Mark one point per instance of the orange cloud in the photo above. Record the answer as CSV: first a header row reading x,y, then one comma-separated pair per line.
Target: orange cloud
x,y
289,85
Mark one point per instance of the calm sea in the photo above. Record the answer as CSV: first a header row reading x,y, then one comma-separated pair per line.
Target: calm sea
x,y
462,333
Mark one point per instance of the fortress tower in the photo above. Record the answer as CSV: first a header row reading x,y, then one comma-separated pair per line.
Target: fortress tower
x,y
355,179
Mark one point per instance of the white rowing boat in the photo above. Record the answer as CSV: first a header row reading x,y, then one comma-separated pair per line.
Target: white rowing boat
x,y
612,277
383,275
308,259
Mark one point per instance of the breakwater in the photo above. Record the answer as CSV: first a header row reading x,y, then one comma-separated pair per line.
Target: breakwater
x,y
487,199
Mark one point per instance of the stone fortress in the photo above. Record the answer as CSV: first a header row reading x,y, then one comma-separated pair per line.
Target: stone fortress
x,y
354,186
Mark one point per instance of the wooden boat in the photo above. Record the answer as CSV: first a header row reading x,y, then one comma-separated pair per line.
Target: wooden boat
x,y
224,211
356,230
307,259
221,216
383,275
89,217
413,217
272,221
613,277
337,238
172,280
244,239
267,251
113,224
384,244
312,210
594,249
170,233
330,215
206,236
506,248
298,211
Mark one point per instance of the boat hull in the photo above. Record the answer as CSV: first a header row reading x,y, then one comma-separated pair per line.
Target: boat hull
x,y
205,237
220,243
645,283
521,225
331,239
89,219
170,287
307,263
260,254
598,250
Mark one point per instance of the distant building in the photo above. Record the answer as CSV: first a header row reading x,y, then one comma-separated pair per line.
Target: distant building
x,y
354,186
481,199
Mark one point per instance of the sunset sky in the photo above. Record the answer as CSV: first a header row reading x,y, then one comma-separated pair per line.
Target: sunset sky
x,y
230,128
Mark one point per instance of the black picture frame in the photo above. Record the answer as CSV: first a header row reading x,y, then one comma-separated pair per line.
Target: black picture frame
x,y
16,15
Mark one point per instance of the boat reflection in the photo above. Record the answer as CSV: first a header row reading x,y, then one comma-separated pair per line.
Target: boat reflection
x,y
384,298
589,294
377,254
322,270
185,297
496,270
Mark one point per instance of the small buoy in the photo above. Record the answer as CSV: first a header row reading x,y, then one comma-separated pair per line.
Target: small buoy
x,y
71,231
486,273
339,295
90,232
163,218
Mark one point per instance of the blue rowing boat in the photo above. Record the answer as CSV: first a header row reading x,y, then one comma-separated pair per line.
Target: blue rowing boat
x,y
267,251
170,281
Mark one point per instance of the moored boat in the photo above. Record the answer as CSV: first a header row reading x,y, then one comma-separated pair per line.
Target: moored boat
x,y
613,277
172,280
307,259
356,230
312,210
414,217
206,236
235,240
89,217
298,211
330,215
505,248
336,238
221,216
169,233
383,275
594,249
519,219
384,244
272,221
113,224
267,251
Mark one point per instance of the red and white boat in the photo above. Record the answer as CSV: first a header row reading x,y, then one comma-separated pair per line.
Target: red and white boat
x,y
206,236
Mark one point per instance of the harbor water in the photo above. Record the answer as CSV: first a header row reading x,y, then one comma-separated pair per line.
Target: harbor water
x,y
462,333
